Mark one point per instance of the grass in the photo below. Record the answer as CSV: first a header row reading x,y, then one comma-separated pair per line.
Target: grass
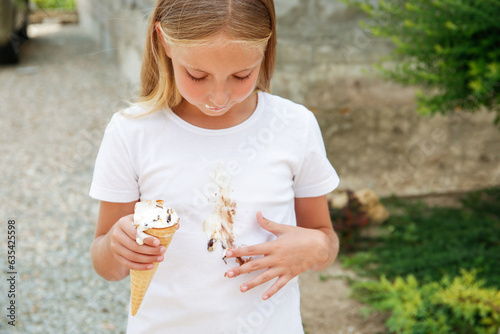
x,y
431,242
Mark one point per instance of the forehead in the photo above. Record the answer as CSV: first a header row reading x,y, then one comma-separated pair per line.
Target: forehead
x,y
222,39
219,52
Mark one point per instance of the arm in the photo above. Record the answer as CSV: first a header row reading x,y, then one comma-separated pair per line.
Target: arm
x,y
311,245
313,213
114,250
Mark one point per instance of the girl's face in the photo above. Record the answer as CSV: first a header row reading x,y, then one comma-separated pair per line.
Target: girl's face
x,y
218,79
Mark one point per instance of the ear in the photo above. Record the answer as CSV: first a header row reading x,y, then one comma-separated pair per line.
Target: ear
x,y
159,31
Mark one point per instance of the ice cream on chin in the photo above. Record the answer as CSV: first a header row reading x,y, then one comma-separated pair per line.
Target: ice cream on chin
x,y
152,214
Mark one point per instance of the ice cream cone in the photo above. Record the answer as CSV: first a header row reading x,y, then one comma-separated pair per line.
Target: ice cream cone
x,y
140,279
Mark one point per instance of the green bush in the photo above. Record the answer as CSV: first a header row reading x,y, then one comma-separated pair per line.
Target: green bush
x,y
430,243
485,201
458,306
55,4
449,47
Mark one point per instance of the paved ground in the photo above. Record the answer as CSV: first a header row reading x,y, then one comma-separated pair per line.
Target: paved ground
x,y
54,106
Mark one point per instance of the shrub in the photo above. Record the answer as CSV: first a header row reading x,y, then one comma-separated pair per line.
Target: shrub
x,y
55,4
449,47
485,201
459,306
432,242
349,221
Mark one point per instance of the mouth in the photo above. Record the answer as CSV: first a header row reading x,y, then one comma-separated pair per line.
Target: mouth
x,y
215,109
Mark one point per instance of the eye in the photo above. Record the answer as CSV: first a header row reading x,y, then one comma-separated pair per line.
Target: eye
x,y
243,78
196,79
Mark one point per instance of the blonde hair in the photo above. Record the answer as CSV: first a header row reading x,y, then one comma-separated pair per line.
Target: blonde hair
x,y
194,22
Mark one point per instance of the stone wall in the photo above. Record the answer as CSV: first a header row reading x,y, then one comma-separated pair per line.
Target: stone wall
x,y
373,136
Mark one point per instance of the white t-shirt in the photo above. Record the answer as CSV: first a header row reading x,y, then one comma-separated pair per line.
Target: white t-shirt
x,y
268,160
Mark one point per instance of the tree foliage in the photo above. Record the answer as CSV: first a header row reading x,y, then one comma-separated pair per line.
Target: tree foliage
x,y
448,47
55,4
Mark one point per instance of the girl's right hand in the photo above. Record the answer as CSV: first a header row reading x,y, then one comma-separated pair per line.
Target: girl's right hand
x,y
128,252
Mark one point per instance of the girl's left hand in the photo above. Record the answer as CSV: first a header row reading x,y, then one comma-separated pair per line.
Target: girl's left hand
x,y
295,250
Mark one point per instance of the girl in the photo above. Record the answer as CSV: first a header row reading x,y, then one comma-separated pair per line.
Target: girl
x,y
207,138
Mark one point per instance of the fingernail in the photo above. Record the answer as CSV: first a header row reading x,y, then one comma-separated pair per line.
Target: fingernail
x,y
265,297
230,274
244,288
229,253
156,242
162,249
150,266
159,259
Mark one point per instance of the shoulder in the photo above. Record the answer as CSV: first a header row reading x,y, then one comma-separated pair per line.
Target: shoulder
x,y
287,111
281,102
135,119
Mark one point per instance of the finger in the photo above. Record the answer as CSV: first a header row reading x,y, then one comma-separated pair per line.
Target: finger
x,y
269,225
134,265
144,249
121,239
277,286
152,241
260,249
250,266
138,257
127,225
266,276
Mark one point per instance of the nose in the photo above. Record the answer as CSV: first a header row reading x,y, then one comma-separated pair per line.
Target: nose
x,y
219,96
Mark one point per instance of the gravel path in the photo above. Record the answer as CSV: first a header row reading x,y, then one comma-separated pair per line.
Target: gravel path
x,y
54,107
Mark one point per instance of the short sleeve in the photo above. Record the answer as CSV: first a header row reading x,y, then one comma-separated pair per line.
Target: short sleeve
x,y
316,176
115,178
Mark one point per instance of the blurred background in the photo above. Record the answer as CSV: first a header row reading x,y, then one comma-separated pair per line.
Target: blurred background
x,y
418,199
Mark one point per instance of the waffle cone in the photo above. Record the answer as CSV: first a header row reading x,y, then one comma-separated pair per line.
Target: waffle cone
x,y
140,279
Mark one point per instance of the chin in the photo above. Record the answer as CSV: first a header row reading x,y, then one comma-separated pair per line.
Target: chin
x,y
216,110
207,110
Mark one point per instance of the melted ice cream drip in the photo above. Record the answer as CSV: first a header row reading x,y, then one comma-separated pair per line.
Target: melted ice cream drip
x,y
219,225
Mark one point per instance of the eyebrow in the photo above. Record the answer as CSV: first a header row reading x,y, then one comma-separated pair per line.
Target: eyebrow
x,y
201,71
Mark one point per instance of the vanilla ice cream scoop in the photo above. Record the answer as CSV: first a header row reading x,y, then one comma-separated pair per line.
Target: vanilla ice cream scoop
x,y
151,218
152,214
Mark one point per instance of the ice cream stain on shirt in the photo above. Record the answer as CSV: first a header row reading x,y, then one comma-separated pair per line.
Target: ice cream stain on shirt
x,y
219,225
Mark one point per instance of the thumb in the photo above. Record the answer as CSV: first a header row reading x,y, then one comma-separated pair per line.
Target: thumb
x,y
269,225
